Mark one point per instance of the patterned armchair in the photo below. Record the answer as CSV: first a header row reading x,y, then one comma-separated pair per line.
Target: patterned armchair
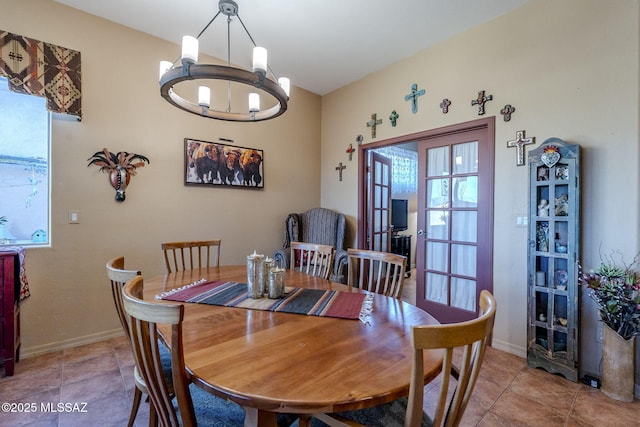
x,y
318,225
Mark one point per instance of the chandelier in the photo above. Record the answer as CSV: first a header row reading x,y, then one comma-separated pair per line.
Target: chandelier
x,y
188,68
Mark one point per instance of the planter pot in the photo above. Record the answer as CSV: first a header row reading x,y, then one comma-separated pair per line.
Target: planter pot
x,y
617,369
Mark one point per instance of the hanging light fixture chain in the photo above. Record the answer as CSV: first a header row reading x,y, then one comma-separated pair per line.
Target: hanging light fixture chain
x,y
207,26
229,62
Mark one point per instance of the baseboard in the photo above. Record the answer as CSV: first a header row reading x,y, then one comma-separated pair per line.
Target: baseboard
x,y
509,348
26,352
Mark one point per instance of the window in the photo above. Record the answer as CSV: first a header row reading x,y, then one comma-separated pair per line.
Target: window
x,y
24,169
404,169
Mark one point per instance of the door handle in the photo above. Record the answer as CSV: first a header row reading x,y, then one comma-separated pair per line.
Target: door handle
x,y
420,232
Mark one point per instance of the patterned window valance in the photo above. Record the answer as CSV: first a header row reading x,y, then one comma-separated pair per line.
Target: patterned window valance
x,y
44,69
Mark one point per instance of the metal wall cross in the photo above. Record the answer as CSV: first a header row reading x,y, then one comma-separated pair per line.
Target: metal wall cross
x,y
480,101
373,123
413,97
340,168
519,143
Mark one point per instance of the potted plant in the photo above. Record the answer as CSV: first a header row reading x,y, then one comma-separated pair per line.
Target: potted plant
x,y
615,288
120,165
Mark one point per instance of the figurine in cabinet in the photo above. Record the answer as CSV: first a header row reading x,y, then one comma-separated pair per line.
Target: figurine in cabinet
x,y
562,205
543,208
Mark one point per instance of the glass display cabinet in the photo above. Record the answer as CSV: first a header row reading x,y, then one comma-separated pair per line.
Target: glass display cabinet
x,y
554,244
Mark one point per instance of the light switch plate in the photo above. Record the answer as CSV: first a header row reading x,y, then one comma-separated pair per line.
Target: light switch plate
x,y
74,217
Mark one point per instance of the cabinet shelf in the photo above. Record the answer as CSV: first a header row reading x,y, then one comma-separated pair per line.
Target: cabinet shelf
x,y
552,258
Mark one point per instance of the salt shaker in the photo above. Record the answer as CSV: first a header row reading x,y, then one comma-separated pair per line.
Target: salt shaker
x,y
276,282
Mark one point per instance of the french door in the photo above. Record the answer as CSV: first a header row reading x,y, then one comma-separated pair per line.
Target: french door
x,y
455,222
379,200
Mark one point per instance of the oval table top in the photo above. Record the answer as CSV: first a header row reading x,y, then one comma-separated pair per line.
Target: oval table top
x,y
281,362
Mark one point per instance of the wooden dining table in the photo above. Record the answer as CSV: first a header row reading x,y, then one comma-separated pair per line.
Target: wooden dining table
x,y
273,362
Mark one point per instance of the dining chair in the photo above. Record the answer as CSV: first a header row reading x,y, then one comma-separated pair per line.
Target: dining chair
x,y
468,338
193,254
194,406
311,258
118,277
373,271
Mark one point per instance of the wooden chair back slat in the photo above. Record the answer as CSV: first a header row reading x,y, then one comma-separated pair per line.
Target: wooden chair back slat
x,y
118,277
379,272
313,259
472,337
180,256
144,317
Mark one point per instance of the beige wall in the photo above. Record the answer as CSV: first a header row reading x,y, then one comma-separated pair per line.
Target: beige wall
x,y
123,111
571,70
569,67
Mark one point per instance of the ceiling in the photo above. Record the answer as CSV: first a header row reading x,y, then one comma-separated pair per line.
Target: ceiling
x,y
321,45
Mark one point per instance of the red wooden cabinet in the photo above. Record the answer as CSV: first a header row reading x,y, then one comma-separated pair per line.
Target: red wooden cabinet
x,y
9,310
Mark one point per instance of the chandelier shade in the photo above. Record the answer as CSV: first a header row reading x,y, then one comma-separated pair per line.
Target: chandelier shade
x,y
188,68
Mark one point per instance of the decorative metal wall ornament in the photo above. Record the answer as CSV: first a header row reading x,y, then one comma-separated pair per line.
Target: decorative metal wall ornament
x,y
519,143
340,168
120,166
394,118
480,101
445,105
507,111
373,123
551,156
413,97
359,139
350,151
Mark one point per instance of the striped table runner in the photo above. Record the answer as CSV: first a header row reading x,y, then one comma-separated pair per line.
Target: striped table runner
x,y
312,302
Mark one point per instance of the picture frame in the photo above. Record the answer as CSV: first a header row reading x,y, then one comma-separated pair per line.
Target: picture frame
x,y
222,164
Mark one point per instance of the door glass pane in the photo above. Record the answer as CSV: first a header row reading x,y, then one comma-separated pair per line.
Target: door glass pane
x,y
463,260
464,226
436,288
384,202
437,192
385,174
438,161
377,178
465,157
463,293
377,197
437,224
465,192
437,255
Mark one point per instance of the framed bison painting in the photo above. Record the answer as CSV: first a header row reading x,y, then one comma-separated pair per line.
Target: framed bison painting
x,y
217,163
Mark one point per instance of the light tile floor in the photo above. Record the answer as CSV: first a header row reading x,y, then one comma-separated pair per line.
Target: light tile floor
x,y
508,393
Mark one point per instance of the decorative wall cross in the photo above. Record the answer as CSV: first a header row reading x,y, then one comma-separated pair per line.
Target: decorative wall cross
x,y
445,105
507,111
519,143
394,118
480,101
373,123
413,97
340,168
350,151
